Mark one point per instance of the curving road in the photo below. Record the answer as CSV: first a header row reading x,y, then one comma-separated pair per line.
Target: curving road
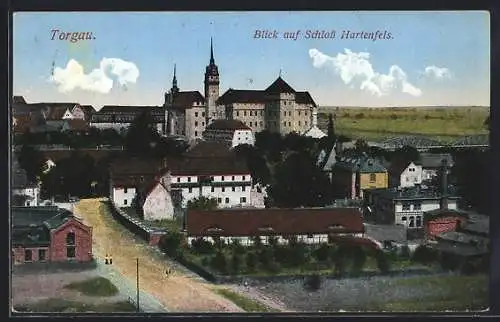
x,y
178,293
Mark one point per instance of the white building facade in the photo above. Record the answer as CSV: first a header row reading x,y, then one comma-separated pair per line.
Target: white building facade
x,y
411,176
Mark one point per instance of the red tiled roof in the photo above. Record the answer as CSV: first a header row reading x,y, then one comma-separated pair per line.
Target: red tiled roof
x,y
228,125
250,222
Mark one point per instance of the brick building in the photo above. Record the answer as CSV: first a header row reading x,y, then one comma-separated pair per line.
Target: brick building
x,y
49,234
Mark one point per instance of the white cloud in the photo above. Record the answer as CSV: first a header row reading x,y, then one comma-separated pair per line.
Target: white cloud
x,y
98,80
437,72
355,68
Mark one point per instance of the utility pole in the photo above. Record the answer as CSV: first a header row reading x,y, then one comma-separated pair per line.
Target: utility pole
x,y
137,284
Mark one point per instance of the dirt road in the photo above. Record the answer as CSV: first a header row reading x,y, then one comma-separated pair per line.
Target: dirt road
x,y
177,293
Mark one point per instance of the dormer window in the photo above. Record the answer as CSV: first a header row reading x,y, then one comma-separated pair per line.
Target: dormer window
x,y
266,229
336,226
214,230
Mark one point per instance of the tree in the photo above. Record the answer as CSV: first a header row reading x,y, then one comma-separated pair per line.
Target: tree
x,y
382,262
251,261
31,161
313,282
299,182
358,259
236,262
361,145
256,162
219,262
203,203
171,243
407,153
322,252
487,123
142,136
257,242
331,130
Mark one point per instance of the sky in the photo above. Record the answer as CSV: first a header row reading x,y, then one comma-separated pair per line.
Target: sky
x,y
126,58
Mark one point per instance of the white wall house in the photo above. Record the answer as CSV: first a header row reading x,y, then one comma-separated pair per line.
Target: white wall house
x,y
158,203
123,196
230,190
308,225
404,206
232,132
406,175
32,194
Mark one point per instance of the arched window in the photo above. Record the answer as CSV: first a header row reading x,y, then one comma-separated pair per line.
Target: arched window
x,y
70,239
70,245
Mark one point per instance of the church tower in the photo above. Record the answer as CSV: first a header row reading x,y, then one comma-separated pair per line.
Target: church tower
x,y
211,88
169,102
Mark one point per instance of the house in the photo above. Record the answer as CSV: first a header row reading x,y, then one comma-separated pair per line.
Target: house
x,y
120,118
431,163
314,131
209,169
310,225
357,174
49,234
231,132
403,173
24,192
405,206
155,200
327,159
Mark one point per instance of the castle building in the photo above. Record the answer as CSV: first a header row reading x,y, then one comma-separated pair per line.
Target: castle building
x,y
278,108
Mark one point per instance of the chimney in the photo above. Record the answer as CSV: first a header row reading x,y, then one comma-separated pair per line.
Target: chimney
x,y
314,116
444,185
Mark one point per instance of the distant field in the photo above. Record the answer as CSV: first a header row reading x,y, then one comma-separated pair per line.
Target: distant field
x,y
444,124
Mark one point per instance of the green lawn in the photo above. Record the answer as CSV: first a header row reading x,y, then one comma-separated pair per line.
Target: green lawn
x,y
444,124
98,286
60,305
243,302
457,293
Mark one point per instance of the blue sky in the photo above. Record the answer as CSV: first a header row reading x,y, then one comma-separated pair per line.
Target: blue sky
x,y
432,58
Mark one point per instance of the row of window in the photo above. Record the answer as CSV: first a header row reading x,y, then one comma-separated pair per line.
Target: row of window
x,y
196,123
223,189
412,221
242,200
416,206
202,114
269,113
42,253
233,178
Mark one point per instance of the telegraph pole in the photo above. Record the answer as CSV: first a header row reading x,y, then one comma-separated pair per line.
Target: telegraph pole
x,y
137,260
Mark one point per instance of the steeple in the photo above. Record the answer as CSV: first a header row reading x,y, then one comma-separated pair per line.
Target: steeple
x,y
175,89
212,60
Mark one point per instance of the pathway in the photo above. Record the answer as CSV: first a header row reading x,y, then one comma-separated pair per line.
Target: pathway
x,y
178,293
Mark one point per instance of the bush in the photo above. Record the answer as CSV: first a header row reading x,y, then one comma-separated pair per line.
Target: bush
x,y
424,255
236,262
219,262
251,262
383,262
171,243
218,242
237,246
321,253
313,282
359,116
358,259
257,242
265,256
394,117
405,252
202,246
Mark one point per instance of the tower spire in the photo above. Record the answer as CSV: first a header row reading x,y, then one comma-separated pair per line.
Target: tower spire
x,y
174,80
280,73
212,60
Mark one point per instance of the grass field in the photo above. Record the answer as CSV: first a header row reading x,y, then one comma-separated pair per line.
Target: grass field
x,y
97,286
444,124
59,305
245,303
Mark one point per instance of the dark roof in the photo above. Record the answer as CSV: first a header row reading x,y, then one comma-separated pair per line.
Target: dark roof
x,y
77,125
135,166
88,110
227,125
208,166
433,160
382,233
18,99
209,149
252,221
363,164
186,99
263,96
35,216
398,166
304,98
410,193
242,96
124,109
279,86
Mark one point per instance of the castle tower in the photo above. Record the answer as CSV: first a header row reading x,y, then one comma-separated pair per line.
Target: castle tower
x,y
211,88
169,102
